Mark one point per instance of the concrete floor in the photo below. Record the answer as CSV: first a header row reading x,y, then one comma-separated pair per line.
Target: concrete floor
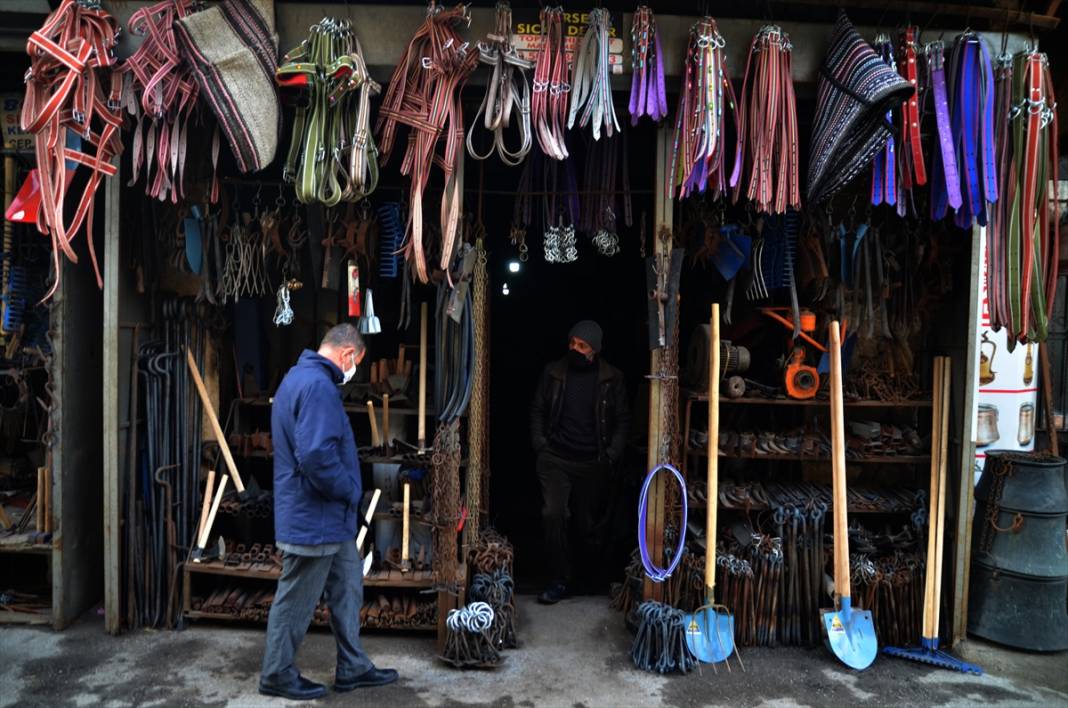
x,y
573,654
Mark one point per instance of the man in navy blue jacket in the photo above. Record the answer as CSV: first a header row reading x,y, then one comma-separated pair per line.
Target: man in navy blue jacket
x,y
317,491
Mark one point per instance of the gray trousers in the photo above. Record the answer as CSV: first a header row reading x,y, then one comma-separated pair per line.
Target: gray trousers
x,y
303,581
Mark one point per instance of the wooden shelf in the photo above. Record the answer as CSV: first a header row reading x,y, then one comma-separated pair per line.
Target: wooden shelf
x,y
223,617
7,617
869,460
820,402
43,549
382,579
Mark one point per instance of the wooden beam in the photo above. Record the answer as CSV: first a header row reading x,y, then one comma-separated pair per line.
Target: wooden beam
x,y
1017,18
112,386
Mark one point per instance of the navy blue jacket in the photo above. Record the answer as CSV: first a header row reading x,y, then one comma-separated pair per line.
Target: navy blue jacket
x,y
317,485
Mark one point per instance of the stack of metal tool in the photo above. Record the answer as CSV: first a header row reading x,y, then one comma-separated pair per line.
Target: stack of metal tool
x,y
162,495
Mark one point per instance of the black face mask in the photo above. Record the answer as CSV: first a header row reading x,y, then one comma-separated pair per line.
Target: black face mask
x,y
578,360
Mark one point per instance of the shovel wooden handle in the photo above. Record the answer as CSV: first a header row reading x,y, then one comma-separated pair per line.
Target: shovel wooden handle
x,y
838,466
209,489
421,437
367,519
940,523
712,486
406,564
375,442
385,421
202,391
202,542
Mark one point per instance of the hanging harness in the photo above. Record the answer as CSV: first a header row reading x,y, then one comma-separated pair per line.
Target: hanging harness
x,y
648,96
971,86
697,161
161,93
424,94
767,136
884,166
591,79
549,106
71,57
502,94
332,155
911,168
945,179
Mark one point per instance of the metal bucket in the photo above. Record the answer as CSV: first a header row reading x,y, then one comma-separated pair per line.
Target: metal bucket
x,y
1028,544
1022,612
1035,482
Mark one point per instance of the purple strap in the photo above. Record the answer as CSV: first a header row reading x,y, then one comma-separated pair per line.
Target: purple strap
x,y
657,106
949,188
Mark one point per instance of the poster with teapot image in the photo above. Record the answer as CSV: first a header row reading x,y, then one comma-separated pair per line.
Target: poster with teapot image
x,y
1008,387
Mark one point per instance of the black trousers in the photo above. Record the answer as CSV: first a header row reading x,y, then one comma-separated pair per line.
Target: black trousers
x,y
574,497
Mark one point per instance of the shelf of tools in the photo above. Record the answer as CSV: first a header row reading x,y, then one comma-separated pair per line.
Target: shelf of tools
x,y
233,578
47,565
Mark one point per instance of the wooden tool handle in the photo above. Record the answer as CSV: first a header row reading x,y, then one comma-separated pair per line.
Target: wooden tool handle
x,y
5,521
214,421
385,421
375,441
400,358
932,513
711,508
838,465
421,437
940,524
405,528
367,519
209,489
206,531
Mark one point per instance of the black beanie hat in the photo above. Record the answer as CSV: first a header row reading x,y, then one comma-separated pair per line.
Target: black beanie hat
x,y
589,332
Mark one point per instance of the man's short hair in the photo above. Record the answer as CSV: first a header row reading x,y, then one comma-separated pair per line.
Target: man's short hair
x,y
343,335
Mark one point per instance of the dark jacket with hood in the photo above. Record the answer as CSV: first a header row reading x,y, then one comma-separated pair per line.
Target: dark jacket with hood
x,y
611,415
317,485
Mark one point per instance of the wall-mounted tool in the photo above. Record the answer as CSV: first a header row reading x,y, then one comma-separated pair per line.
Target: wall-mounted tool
x,y
220,437
406,563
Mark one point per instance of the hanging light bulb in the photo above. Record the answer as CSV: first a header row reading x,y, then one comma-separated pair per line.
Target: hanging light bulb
x,y
513,266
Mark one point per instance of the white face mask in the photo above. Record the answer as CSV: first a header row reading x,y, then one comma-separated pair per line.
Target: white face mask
x,y
349,372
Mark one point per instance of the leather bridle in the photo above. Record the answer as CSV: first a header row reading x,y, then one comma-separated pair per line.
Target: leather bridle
x,y
549,106
913,171
424,94
767,137
591,79
71,57
502,93
700,124
332,155
161,93
945,179
648,96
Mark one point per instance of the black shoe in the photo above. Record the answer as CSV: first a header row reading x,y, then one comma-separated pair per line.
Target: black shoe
x,y
373,677
552,594
300,690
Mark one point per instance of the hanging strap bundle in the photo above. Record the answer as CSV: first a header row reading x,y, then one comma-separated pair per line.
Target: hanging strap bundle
x,y
945,179
549,107
911,168
697,162
884,166
502,94
648,96
591,79
971,90
332,155
424,94
767,137
1023,244
161,92
71,62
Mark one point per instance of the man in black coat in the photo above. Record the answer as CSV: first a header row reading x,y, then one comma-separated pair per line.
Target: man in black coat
x,y
317,491
578,424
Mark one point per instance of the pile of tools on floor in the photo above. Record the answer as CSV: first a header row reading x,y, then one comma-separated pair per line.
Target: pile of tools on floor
x,y
397,612
476,633
236,601
775,582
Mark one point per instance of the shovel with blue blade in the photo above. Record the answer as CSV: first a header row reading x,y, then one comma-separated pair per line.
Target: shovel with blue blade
x,y
710,630
850,631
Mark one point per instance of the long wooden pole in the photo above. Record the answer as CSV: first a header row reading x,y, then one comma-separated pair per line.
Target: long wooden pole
x,y
421,437
940,524
711,508
932,514
213,420
838,463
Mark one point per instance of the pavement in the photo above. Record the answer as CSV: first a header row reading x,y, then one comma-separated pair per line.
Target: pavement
x,y
574,654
